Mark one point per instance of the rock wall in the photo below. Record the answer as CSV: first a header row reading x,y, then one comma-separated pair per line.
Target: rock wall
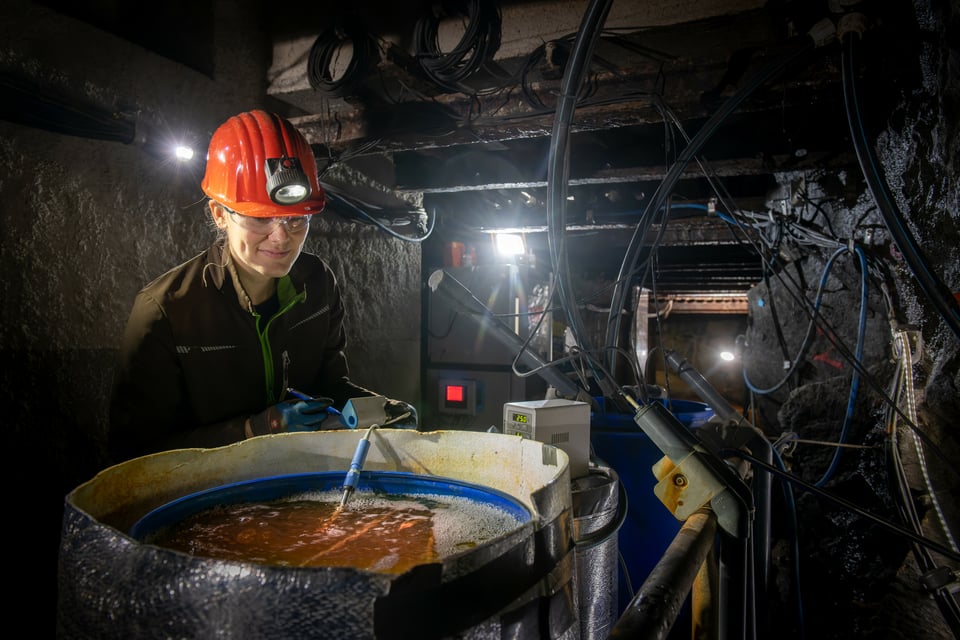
x,y
860,578
88,219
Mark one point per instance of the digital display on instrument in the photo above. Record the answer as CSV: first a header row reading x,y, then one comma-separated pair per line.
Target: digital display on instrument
x,y
519,417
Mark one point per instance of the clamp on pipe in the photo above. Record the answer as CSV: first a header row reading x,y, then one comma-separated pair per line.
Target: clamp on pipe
x,y
690,476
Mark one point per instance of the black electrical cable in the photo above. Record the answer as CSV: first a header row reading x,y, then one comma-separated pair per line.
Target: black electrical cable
x,y
558,56
936,292
801,354
480,41
344,201
818,208
774,316
665,188
794,530
558,49
611,528
831,335
815,317
322,59
910,535
845,352
23,102
558,172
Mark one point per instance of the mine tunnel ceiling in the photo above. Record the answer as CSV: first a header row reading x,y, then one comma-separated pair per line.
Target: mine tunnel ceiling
x,y
479,156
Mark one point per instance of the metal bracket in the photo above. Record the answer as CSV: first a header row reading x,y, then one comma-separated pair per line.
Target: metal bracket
x,y
690,476
939,578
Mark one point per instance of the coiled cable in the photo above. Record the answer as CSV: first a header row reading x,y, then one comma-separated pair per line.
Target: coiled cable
x,y
322,61
480,41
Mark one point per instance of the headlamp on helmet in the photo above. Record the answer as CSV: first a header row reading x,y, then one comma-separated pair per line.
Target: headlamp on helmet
x,y
286,181
260,165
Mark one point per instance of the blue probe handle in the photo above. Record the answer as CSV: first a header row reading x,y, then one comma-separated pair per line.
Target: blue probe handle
x,y
359,456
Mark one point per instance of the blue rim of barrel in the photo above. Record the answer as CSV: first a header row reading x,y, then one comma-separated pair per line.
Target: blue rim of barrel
x,y
690,413
284,486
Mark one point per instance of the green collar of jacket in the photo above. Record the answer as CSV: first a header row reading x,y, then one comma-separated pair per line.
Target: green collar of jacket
x,y
220,261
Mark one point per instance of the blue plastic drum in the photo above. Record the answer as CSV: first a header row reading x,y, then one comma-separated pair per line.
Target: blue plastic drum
x,y
392,483
649,527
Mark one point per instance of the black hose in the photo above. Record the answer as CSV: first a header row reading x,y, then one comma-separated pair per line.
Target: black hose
x,y
935,291
841,502
611,528
345,204
323,55
665,188
558,171
480,41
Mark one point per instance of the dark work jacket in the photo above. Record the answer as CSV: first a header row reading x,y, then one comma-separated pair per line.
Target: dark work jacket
x,y
197,359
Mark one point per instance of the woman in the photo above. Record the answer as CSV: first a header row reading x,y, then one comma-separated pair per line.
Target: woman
x,y
212,346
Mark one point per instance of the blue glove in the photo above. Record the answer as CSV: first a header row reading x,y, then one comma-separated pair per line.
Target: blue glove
x,y
395,408
291,415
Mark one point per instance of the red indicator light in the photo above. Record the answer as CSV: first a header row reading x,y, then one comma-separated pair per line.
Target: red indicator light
x,y
455,393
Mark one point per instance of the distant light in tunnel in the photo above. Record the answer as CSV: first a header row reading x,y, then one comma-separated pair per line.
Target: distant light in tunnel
x,y
510,244
727,356
163,144
183,153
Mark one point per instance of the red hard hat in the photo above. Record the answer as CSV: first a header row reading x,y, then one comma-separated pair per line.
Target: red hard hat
x,y
248,154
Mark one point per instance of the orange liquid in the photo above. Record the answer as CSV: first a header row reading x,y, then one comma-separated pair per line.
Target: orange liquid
x,y
307,533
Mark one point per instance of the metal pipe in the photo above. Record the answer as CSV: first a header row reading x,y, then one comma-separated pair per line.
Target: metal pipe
x,y
735,591
702,387
762,486
654,608
756,442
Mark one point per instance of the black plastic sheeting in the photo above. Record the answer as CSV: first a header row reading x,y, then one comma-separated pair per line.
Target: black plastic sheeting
x,y
112,586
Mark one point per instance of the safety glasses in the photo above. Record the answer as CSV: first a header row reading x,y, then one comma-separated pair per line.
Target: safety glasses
x,y
266,226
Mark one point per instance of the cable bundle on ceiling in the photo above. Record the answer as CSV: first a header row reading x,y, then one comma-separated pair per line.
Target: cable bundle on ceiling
x,y
480,41
323,59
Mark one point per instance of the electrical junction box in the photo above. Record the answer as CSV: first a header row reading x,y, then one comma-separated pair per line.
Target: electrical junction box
x,y
564,424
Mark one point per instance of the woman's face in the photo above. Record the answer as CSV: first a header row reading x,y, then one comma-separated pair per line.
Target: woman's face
x,y
264,246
